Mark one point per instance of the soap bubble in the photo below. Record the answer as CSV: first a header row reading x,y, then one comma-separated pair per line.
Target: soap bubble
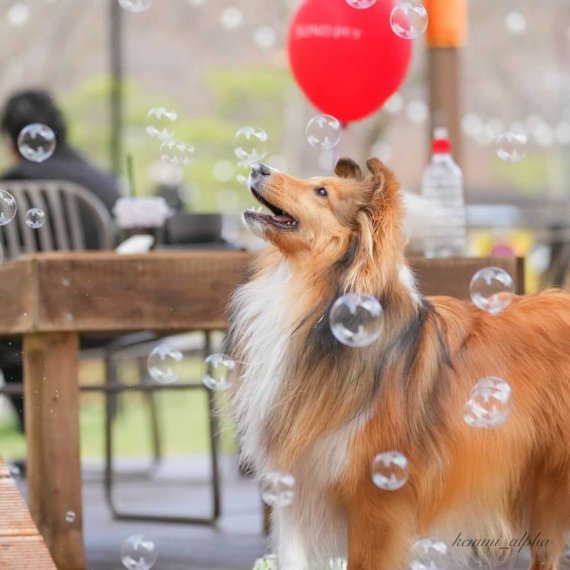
x,y
544,134
135,6
160,122
492,289
511,146
278,489
138,553
562,133
35,218
489,404
161,363
409,20
176,153
265,37
8,207
243,176
223,170
231,18
390,470
220,371
361,4
70,516
267,562
395,104
251,145
356,320
37,142
429,554
324,131
382,150
14,471
515,22
417,111
18,14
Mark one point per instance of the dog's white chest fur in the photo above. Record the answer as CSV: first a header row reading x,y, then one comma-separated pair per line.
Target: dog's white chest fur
x,y
310,529
264,328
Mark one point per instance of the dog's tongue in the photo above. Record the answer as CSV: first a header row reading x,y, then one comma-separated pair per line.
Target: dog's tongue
x,y
282,219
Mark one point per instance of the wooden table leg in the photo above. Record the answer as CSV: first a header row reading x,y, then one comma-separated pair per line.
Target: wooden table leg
x,y
51,396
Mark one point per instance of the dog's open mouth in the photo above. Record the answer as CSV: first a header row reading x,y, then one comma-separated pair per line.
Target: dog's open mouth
x,y
279,219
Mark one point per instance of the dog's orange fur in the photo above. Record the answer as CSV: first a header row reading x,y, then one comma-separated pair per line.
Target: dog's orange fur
x,y
411,386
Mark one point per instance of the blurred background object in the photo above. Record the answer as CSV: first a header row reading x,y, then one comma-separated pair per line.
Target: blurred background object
x,y
223,65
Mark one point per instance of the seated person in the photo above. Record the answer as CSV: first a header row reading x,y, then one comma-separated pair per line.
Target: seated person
x,y
20,110
66,163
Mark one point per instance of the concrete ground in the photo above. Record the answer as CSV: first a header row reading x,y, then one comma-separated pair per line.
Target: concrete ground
x,y
180,487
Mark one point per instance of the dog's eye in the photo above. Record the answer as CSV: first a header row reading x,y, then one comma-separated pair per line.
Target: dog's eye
x,y
322,192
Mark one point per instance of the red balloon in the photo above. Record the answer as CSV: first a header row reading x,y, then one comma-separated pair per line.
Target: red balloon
x,y
348,61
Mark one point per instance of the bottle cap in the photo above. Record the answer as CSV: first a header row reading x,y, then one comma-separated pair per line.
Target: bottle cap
x,y
441,143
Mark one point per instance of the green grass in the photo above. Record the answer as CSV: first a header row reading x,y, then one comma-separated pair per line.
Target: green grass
x,y
183,417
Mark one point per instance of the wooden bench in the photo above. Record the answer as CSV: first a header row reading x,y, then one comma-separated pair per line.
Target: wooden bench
x,y
21,545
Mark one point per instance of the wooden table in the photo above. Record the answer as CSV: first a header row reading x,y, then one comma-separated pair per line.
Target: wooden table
x,y
51,299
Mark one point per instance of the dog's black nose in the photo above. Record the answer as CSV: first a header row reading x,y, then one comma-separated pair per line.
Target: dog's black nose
x,y
262,169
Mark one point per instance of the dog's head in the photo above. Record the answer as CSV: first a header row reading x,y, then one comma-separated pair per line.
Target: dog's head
x,y
324,214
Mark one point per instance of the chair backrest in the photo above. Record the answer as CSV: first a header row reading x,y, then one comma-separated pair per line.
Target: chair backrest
x,y
65,205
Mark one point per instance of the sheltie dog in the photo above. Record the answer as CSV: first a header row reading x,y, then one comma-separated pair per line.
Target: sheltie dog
x,y
310,406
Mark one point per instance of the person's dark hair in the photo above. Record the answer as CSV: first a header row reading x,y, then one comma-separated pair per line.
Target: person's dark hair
x,y
32,106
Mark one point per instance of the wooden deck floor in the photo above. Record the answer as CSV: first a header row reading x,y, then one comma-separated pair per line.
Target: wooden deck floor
x,y
180,487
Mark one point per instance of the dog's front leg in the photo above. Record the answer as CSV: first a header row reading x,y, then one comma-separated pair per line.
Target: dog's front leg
x,y
380,533
289,541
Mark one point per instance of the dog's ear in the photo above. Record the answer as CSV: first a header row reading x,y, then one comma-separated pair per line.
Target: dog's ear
x,y
382,177
347,168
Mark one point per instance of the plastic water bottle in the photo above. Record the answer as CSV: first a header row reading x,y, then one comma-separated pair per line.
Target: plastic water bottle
x,y
442,184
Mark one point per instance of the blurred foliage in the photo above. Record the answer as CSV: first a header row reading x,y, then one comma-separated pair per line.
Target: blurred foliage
x,y
183,421
253,96
528,175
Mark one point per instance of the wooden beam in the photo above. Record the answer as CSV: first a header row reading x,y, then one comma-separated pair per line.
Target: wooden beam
x,y
52,427
105,292
145,292
445,95
446,34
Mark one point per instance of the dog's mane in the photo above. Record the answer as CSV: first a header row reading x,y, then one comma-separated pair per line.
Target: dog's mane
x,y
325,384
328,385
